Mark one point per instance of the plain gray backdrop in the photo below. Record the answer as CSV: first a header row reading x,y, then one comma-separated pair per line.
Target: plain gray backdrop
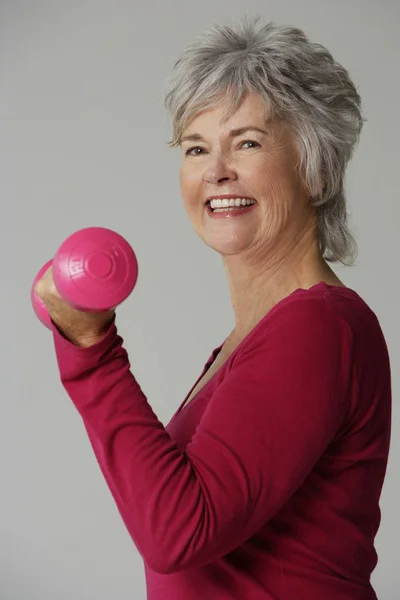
x,y
83,142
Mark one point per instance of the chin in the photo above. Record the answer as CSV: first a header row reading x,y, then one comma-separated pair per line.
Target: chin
x,y
226,247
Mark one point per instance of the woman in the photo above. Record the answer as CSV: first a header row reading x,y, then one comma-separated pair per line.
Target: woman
x,y
266,482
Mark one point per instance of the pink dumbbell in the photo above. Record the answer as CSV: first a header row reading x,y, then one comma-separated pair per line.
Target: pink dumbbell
x,y
94,270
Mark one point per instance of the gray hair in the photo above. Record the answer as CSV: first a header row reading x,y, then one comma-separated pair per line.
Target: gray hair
x,y
302,85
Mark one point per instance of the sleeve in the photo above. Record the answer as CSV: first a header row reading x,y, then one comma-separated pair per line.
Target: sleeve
x,y
265,427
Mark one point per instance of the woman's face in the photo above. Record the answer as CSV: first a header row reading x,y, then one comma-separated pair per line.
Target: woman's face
x,y
245,157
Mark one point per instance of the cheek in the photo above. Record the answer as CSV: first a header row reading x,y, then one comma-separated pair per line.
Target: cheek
x,y
189,193
275,188
271,181
190,185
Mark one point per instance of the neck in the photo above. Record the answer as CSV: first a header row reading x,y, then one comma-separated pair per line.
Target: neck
x,y
256,286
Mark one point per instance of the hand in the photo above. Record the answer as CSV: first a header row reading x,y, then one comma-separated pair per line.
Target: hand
x,y
81,328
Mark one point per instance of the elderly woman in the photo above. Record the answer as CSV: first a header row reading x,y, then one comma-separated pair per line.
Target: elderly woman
x,y
266,483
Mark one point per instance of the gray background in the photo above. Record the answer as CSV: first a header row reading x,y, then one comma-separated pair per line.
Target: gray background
x,y
83,141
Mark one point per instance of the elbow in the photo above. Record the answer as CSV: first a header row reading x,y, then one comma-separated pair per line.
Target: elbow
x,y
165,560
162,564
166,563
158,557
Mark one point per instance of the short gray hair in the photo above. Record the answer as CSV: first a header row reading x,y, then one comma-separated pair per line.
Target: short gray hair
x,y
302,85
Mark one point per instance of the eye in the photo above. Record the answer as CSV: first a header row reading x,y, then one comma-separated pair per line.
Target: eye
x,y
189,151
255,144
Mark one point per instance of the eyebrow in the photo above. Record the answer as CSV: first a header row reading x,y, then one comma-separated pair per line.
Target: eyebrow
x,y
196,137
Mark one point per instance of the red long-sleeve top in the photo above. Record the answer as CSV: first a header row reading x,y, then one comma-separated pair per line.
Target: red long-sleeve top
x,y
266,486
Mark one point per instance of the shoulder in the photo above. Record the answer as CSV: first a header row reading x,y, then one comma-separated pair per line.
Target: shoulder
x,y
303,333
301,353
331,310
307,315
325,325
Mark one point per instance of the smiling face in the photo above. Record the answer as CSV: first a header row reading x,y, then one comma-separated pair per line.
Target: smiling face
x,y
245,157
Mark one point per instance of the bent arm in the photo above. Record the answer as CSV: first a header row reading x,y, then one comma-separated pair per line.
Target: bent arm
x,y
262,432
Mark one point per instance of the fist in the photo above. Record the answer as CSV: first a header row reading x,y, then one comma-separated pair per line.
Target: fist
x,y
81,328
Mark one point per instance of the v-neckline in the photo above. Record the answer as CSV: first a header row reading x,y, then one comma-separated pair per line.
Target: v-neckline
x,y
206,367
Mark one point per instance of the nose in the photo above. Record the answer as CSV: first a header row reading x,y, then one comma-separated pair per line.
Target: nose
x,y
218,171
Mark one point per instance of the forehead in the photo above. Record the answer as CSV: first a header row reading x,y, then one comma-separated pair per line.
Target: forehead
x,y
252,110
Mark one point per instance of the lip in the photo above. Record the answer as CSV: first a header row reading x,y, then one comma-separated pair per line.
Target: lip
x,y
229,214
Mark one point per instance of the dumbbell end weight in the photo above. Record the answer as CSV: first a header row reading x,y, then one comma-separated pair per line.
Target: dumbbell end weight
x,y
37,304
94,270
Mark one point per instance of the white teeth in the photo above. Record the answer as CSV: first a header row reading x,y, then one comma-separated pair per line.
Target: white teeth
x,y
226,203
